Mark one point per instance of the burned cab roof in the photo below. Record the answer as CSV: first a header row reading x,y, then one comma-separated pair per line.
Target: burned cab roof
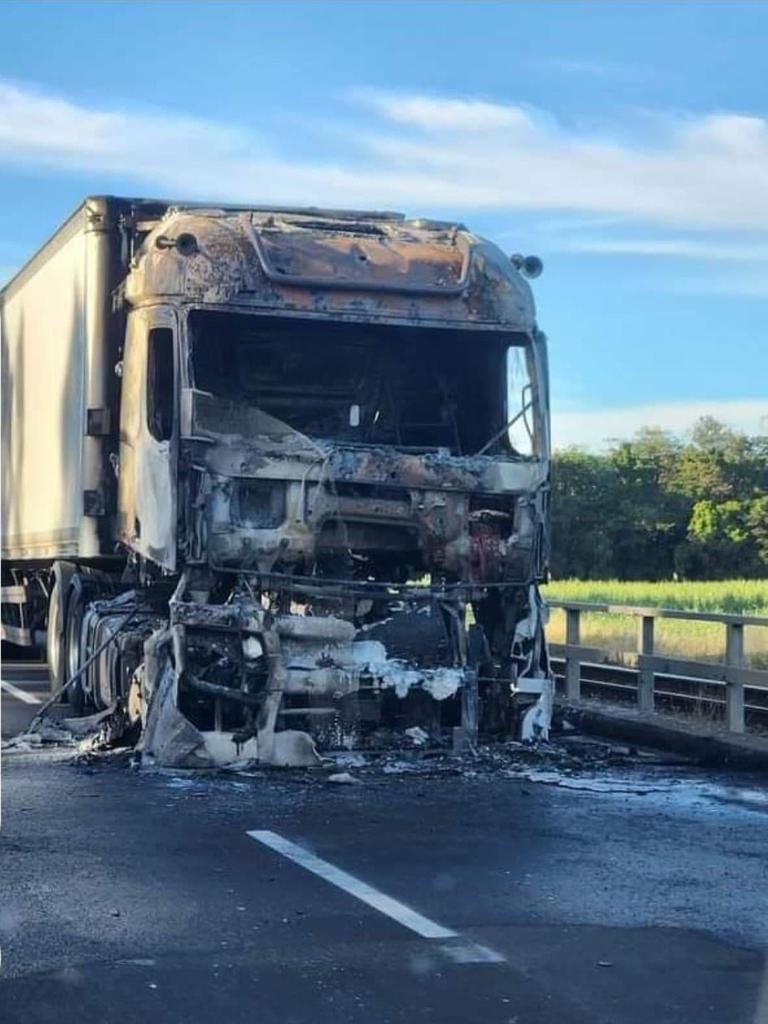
x,y
318,263
368,256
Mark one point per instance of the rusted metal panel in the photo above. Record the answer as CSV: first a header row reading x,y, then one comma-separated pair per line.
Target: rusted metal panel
x,y
363,256
387,271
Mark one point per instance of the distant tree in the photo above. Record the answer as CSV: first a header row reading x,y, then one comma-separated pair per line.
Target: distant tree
x,y
757,525
709,434
721,543
651,520
583,501
656,505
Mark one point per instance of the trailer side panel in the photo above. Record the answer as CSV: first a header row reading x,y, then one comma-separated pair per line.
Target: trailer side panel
x,y
56,366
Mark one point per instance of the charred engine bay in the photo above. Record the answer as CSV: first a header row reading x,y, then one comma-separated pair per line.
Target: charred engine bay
x,y
241,674
332,593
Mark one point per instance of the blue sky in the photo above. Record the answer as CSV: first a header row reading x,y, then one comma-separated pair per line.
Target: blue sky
x,y
625,143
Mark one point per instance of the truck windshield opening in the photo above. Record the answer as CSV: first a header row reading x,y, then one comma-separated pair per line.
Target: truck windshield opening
x,y
416,388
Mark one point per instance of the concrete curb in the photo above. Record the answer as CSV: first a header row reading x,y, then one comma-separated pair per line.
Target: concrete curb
x,y
707,746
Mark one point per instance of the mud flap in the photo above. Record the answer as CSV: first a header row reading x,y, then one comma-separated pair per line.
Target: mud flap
x,y
168,738
537,719
531,653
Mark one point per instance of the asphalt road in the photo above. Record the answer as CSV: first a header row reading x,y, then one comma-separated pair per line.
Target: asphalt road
x,y
128,895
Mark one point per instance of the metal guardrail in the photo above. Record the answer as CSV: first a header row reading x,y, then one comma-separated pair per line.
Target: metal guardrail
x,y
732,672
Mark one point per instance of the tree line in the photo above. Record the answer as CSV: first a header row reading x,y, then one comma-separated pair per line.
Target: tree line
x,y
659,507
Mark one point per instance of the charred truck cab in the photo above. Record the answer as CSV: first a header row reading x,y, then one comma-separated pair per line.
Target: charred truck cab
x,y
330,457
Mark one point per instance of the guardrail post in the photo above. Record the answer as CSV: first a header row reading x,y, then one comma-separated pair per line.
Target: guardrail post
x,y
645,680
572,663
734,691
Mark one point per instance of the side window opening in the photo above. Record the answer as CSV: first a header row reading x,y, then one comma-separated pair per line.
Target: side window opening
x,y
160,391
520,401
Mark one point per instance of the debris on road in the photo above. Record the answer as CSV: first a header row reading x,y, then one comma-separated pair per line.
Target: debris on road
x,y
342,779
347,759
48,735
417,734
569,761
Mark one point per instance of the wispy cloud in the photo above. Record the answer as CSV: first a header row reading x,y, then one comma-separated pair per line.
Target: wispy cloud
x,y
435,114
419,151
595,428
751,285
709,250
704,171
51,131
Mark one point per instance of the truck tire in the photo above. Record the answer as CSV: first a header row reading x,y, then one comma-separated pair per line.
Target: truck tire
x,y
75,609
55,644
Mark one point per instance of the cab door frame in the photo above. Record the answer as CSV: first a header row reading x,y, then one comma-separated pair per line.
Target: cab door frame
x,y
148,482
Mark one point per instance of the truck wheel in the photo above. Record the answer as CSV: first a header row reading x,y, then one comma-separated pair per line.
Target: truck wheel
x,y
75,610
55,644
54,639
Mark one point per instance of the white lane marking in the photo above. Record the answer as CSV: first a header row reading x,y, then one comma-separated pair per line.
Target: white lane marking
x,y
458,949
354,886
28,698
472,953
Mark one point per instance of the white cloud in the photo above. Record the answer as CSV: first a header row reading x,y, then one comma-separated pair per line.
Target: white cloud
x,y
594,428
711,249
419,152
734,131
697,171
435,114
51,130
747,285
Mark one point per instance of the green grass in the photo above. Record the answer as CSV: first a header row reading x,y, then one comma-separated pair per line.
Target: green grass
x,y
699,641
745,597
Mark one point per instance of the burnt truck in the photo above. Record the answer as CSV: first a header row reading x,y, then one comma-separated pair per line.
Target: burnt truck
x,y
276,481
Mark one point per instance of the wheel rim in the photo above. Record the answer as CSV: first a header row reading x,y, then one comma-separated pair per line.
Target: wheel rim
x,y
74,630
54,651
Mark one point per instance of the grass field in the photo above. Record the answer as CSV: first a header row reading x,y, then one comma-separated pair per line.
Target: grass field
x,y
699,641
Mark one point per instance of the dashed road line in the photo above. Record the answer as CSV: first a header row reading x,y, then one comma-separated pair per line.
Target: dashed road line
x,y
14,691
456,948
